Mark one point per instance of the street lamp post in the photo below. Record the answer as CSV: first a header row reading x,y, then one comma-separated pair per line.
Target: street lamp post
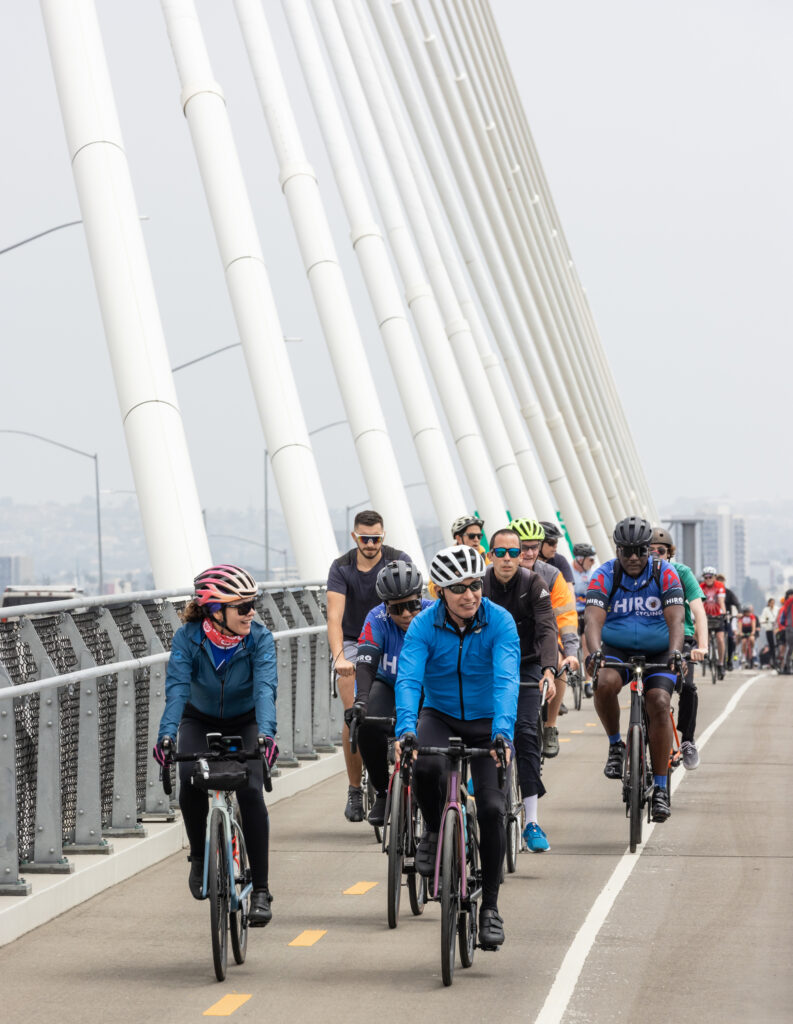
x,y
256,543
88,455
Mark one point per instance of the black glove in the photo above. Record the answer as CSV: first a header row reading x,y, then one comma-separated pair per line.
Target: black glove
x,y
269,749
357,713
163,751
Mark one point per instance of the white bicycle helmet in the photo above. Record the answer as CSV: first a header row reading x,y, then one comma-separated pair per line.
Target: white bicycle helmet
x,y
451,565
709,571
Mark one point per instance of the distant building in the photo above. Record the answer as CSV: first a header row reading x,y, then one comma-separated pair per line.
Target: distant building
x,y
15,569
723,543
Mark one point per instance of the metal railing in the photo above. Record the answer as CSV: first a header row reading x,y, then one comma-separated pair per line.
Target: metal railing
x,y
82,690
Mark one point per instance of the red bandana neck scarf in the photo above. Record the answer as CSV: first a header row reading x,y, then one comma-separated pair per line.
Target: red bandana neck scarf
x,y
217,638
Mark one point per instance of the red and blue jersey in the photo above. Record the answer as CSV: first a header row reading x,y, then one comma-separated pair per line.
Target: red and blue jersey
x,y
634,606
381,641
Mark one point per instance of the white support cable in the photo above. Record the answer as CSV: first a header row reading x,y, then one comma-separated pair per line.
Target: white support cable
x,y
159,457
438,93
519,254
506,321
462,345
475,57
635,479
541,506
456,405
329,290
372,254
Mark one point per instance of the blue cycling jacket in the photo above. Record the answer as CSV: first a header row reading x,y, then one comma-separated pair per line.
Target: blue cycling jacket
x,y
249,679
466,676
380,642
635,611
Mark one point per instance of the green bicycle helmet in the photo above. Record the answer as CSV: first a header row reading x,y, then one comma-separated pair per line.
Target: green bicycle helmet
x,y
528,529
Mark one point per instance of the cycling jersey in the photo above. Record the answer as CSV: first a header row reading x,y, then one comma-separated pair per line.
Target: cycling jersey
x,y
581,585
748,624
711,593
635,609
380,643
691,591
466,675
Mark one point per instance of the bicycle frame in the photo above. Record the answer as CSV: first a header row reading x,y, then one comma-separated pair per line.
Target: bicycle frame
x,y
221,801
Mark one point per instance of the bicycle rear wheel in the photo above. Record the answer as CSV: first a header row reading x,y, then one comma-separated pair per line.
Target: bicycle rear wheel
x,y
396,850
713,658
635,784
218,894
417,884
238,920
450,893
578,689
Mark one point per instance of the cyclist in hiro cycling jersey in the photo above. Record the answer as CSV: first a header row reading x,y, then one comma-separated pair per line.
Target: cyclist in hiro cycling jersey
x,y
531,535
635,607
464,653
222,677
399,585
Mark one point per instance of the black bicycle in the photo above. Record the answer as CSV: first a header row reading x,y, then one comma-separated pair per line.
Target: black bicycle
x,y
220,771
401,834
637,772
715,622
368,790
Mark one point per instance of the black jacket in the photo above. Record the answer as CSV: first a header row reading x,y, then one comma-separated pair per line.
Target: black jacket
x,y
527,599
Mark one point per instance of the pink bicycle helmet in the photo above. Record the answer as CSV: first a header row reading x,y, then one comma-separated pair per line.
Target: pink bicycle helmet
x,y
224,584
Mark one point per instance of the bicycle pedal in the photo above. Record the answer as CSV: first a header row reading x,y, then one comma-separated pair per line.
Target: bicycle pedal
x,y
489,949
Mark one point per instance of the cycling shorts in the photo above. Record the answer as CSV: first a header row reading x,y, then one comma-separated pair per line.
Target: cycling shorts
x,y
655,680
717,624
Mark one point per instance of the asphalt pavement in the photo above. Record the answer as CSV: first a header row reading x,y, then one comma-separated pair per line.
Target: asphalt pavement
x,y
696,926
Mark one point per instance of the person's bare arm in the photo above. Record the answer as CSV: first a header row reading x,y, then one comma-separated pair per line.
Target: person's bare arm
x,y
336,604
674,615
700,629
594,618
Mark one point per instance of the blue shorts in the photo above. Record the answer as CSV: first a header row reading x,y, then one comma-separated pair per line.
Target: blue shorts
x,y
654,680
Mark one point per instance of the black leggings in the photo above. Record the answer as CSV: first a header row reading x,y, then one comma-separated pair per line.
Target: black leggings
x,y
194,804
527,741
373,736
430,773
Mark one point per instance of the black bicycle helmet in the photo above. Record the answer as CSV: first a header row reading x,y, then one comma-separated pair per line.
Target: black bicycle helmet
x,y
632,531
398,580
583,551
552,531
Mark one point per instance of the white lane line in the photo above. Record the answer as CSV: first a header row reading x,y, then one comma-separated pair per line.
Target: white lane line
x,y
561,991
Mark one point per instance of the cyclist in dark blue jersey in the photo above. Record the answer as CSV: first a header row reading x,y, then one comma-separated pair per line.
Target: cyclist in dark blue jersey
x,y
399,585
634,606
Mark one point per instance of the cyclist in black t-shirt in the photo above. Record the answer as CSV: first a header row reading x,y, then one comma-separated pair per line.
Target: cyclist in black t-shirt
x,y
351,596
549,551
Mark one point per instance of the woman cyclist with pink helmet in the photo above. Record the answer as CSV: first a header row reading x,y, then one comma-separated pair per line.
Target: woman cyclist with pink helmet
x,y
222,678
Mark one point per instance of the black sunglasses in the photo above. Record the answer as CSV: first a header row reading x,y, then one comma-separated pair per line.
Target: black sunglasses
x,y
635,549
553,541
244,607
404,606
474,536
369,538
500,552
460,588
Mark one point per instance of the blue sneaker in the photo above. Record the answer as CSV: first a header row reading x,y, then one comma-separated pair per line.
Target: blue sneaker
x,y
536,839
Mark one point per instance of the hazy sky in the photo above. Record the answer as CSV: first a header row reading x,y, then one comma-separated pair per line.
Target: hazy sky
x,y
665,134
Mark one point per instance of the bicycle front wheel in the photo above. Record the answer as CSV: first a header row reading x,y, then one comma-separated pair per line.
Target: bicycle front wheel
x,y
450,893
635,785
417,884
218,894
238,920
714,659
514,820
396,850
466,923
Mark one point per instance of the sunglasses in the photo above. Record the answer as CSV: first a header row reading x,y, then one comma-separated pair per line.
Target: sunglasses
x,y
529,548
551,541
635,549
244,608
709,576
369,538
404,606
473,536
460,588
657,549
500,552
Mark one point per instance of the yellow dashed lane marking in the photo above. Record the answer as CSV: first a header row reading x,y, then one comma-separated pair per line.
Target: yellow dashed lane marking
x,y
591,725
359,888
564,739
576,732
308,938
226,1006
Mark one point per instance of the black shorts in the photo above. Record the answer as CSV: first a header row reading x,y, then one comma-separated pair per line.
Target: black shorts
x,y
663,680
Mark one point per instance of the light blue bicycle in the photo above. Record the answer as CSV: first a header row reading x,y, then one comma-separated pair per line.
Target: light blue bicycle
x,y
220,771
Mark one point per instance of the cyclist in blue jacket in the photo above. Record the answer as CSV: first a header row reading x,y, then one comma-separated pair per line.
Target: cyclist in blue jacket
x,y
222,678
634,607
399,585
464,652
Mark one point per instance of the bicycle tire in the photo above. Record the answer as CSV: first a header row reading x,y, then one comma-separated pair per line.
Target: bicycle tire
x,y
450,893
466,921
578,689
514,821
417,884
713,659
238,919
218,894
636,785
396,850
369,797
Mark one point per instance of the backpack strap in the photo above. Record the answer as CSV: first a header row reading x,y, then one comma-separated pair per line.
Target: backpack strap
x,y
618,574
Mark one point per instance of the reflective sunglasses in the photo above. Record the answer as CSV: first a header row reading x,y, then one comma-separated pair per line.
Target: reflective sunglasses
x,y
404,606
473,536
635,549
244,608
500,552
460,588
658,549
369,538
